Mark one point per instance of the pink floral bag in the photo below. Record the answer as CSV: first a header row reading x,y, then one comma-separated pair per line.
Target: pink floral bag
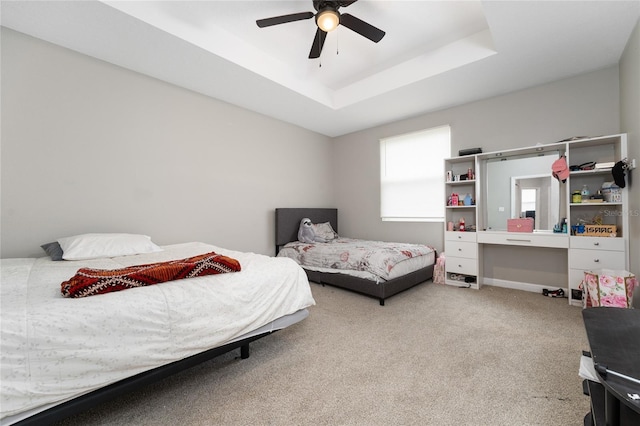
x,y
607,287
438,270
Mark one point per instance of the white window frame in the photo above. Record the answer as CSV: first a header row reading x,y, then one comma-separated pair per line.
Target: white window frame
x,y
412,175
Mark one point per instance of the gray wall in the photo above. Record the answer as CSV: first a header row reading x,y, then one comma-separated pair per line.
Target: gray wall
x,y
630,124
91,147
87,146
588,104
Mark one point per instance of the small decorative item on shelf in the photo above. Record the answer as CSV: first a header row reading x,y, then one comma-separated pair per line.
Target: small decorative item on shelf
x,y
461,224
577,229
599,231
594,228
576,196
468,200
470,175
449,175
585,192
454,199
450,226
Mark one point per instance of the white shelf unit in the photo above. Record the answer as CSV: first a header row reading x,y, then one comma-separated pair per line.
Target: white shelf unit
x,y
591,252
461,249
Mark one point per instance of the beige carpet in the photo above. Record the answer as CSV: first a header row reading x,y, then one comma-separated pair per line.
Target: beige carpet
x,y
434,355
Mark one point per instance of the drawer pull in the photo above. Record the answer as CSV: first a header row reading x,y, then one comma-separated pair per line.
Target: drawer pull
x,y
596,260
596,243
459,249
518,239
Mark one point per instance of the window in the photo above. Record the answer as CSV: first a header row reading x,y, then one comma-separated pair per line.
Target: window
x,y
412,175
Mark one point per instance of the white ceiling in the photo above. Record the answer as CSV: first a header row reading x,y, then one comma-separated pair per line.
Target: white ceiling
x,y
436,54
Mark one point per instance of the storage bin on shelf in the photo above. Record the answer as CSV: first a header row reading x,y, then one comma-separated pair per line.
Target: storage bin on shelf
x,y
612,193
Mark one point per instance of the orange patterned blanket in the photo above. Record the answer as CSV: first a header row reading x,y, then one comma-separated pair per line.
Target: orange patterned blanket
x,y
89,282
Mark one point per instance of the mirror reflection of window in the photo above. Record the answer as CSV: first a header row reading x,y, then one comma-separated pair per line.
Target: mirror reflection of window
x,y
528,202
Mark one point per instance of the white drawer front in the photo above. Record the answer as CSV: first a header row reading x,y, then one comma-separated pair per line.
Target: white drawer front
x,y
596,259
596,243
460,236
531,239
461,265
461,249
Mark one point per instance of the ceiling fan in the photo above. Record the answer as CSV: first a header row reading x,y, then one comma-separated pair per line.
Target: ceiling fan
x,y
327,19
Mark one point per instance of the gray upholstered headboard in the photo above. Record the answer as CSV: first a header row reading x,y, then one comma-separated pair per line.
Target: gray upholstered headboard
x,y
288,222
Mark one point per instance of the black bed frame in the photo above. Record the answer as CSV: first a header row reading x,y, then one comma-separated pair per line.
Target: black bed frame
x,y
287,225
84,402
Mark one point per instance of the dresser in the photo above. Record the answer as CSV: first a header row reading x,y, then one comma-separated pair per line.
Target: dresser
x,y
461,261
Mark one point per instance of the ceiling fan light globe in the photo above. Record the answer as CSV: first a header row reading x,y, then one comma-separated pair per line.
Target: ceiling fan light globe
x,y
328,20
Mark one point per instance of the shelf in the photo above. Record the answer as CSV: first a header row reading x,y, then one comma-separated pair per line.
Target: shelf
x,y
461,207
594,204
589,172
460,182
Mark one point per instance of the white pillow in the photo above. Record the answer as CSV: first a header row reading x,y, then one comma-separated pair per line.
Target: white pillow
x,y
325,230
93,246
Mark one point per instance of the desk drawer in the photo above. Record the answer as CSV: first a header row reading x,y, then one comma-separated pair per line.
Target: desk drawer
x,y
460,249
460,236
461,265
595,243
596,259
530,239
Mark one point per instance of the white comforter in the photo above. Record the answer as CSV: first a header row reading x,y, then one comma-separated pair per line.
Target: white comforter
x,y
54,348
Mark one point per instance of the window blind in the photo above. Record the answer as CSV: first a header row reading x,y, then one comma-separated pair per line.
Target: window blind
x,y
412,175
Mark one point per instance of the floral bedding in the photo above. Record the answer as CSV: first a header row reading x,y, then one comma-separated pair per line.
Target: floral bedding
x,y
376,257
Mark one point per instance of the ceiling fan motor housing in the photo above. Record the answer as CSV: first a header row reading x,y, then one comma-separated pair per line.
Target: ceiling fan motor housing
x,y
321,5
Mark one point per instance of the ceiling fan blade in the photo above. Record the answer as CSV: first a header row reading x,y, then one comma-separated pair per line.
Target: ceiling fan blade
x,y
318,42
277,20
346,3
364,29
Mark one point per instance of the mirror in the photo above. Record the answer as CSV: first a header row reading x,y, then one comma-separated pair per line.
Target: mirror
x,y
522,186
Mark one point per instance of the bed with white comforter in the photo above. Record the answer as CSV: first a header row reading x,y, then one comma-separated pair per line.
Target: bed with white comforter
x,y
54,348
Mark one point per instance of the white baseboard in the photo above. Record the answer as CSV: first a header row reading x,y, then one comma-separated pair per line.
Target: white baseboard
x,y
518,285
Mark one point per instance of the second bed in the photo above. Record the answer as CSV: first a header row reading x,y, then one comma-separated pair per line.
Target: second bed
x,y
374,268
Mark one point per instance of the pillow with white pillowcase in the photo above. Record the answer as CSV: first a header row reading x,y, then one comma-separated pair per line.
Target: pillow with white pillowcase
x,y
94,246
325,230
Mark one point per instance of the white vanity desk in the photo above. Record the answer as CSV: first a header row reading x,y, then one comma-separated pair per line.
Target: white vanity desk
x,y
541,259
527,239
